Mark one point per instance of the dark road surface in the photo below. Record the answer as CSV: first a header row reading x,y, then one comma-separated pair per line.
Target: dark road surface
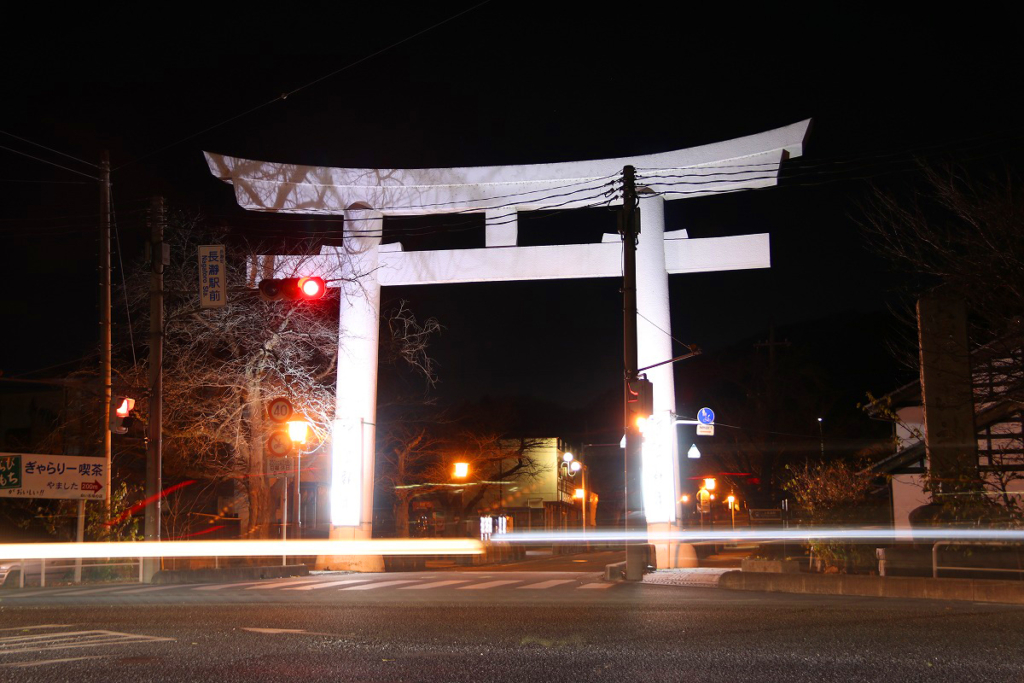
x,y
494,626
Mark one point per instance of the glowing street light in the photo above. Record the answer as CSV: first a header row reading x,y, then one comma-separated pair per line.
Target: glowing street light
x,y
709,484
575,466
579,494
461,470
732,508
568,457
297,431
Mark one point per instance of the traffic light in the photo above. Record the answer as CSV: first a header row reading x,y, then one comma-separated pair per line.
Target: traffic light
x,y
293,289
639,399
120,414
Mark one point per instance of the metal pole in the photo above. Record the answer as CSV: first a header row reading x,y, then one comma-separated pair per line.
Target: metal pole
x,y
298,497
284,517
79,538
154,439
105,343
636,522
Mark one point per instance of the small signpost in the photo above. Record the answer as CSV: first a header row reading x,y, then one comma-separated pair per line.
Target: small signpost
x,y
69,477
765,516
279,410
706,422
279,444
213,276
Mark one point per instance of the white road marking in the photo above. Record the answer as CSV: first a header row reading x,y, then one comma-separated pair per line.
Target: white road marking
x,y
71,639
382,584
325,584
150,589
29,628
273,630
221,586
31,593
545,584
40,662
596,585
435,584
93,590
279,584
489,584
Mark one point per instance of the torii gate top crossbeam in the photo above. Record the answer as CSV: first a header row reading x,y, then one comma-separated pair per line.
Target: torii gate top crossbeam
x,y
738,164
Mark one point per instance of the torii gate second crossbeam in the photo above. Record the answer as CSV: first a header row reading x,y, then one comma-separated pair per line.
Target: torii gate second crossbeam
x,y
365,196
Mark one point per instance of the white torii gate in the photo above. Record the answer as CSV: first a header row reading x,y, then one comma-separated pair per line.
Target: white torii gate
x,y
365,196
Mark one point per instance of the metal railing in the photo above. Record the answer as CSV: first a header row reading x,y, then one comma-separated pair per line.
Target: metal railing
x,y
935,557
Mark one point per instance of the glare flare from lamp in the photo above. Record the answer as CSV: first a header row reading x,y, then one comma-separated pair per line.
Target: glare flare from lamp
x,y
297,431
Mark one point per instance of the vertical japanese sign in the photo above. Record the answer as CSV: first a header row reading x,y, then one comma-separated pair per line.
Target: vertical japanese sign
x,y
346,472
213,276
24,475
657,453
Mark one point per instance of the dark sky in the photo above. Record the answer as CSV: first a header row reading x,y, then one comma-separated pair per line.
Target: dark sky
x,y
502,83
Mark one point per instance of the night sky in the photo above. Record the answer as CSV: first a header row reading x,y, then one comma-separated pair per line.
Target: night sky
x,y
504,83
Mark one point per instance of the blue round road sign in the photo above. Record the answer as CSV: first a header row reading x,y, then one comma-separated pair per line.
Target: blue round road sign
x,y
706,416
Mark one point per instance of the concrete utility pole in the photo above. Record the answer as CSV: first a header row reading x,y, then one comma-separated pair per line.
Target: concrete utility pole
x,y
154,440
636,550
105,317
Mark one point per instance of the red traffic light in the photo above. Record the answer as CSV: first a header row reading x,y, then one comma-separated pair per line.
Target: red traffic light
x,y
293,289
121,408
312,287
125,407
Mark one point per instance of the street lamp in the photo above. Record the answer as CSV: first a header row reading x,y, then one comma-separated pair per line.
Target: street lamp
x,y
709,484
298,430
821,437
461,470
732,508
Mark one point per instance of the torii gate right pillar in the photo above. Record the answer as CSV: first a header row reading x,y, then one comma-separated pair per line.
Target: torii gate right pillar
x,y
654,345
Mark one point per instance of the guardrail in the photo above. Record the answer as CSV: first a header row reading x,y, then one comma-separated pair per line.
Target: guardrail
x,y
25,565
935,558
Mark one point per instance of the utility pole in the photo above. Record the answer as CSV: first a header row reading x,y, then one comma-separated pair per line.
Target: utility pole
x,y
636,522
159,257
105,317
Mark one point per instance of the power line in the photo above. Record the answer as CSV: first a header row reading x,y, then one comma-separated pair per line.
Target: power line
x,y
48,149
283,96
65,168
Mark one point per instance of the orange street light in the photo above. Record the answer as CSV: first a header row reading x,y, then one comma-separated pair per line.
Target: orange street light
x,y
462,470
579,494
297,431
709,484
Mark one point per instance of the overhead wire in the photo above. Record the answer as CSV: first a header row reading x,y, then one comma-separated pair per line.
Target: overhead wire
x,y
46,161
50,149
283,96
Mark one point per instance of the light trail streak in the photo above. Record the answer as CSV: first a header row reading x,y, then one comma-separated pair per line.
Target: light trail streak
x,y
762,535
243,548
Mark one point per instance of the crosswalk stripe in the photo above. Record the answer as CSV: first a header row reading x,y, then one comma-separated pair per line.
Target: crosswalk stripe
x,y
596,585
545,584
381,584
489,584
107,589
325,584
278,584
150,589
222,586
434,584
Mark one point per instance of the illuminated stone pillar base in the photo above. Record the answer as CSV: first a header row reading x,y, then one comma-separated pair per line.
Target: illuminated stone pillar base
x,y
671,554
352,563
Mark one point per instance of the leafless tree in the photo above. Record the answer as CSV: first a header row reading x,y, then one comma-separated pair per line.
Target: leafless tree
x,y
222,366
961,229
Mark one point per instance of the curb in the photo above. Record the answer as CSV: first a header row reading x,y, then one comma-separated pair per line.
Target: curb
x,y
973,590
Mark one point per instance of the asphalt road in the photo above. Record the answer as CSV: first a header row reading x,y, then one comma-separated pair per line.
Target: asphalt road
x,y
500,626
